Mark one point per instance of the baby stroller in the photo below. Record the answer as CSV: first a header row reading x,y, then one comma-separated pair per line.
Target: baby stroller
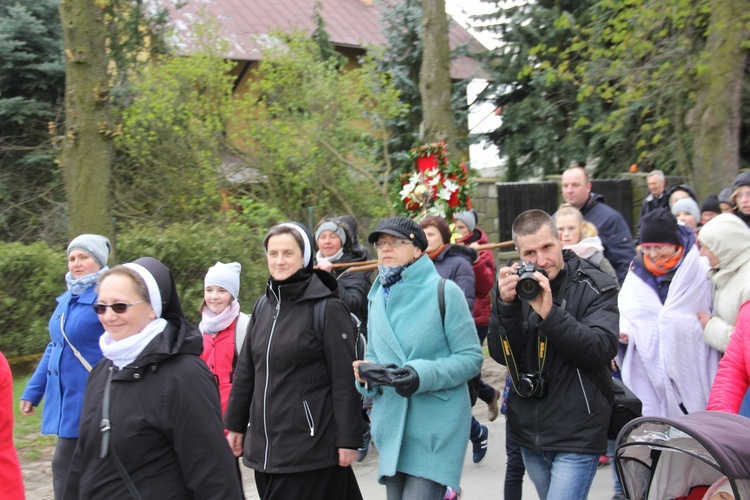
x,y
661,458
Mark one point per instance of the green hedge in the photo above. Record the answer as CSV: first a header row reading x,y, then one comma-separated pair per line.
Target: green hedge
x,y
33,275
190,249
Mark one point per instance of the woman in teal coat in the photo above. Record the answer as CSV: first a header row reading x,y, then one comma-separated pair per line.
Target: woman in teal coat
x,y
420,424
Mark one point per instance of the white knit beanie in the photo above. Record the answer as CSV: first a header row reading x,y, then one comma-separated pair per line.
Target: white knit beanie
x,y
227,276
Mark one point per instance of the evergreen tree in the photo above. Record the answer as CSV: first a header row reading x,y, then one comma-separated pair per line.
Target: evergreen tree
x,y
31,87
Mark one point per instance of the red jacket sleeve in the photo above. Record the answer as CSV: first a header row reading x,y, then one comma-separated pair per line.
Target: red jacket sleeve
x,y
11,481
733,377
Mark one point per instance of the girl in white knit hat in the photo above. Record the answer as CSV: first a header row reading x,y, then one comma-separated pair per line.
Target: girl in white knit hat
x,y
222,324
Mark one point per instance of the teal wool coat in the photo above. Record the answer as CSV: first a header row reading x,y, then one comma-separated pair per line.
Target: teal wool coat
x,y
427,434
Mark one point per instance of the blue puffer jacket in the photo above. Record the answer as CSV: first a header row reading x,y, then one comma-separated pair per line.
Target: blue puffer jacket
x,y
426,434
60,377
614,233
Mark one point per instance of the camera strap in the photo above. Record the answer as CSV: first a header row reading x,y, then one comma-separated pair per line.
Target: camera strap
x,y
541,350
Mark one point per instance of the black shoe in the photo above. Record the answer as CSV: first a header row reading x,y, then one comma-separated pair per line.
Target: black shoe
x,y
479,445
362,452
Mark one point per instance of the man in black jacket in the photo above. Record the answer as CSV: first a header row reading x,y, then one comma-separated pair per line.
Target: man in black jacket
x,y
554,344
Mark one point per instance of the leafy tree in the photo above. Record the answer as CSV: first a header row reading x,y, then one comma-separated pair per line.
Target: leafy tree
x,y
540,110
86,147
315,133
172,139
401,59
31,83
434,76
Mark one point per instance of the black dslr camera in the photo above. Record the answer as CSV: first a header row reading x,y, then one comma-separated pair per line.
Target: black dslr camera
x,y
528,286
532,385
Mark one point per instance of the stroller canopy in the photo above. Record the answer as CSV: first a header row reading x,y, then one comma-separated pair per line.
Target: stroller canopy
x,y
662,458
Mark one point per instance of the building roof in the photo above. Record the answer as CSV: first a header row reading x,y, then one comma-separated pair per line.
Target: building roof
x,y
349,23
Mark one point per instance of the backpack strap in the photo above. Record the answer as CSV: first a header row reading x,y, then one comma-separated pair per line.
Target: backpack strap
x,y
240,330
441,299
319,319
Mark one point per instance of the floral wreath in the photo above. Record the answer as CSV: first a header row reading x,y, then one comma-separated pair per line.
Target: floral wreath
x,y
437,187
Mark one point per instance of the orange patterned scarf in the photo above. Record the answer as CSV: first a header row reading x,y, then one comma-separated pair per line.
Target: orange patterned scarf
x,y
663,266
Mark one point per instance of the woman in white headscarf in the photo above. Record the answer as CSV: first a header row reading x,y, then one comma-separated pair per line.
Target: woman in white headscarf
x,y
151,424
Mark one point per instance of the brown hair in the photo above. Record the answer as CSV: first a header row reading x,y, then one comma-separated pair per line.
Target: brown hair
x,y
530,221
438,223
284,229
140,286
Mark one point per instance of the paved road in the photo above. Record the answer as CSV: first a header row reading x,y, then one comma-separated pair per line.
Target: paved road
x,y
478,482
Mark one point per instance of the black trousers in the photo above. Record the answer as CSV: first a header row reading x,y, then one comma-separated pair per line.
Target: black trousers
x,y
332,483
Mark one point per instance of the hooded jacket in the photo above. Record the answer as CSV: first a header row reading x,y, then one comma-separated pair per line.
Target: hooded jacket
x,y
165,426
354,286
454,263
613,231
484,277
582,337
728,238
293,397
733,377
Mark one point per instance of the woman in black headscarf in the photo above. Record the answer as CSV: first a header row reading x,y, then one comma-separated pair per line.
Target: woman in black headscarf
x,y
151,423
293,391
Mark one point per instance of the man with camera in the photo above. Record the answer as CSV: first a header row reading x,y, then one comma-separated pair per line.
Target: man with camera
x,y
555,326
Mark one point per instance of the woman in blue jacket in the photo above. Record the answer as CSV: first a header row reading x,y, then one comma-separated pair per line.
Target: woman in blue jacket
x,y
62,373
420,424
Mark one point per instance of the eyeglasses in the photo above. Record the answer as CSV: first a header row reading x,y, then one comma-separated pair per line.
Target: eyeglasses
x,y
117,307
394,244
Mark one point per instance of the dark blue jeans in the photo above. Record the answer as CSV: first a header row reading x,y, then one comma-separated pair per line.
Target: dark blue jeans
x,y
514,468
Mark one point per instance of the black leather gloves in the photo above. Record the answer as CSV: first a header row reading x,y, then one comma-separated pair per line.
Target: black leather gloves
x,y
376,374
406,380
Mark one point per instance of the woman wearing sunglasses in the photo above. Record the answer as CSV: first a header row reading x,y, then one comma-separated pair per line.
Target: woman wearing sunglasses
x,y
151,424
64,368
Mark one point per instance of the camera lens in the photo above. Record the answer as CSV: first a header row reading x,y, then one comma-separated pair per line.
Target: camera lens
x,y
527,288
526,387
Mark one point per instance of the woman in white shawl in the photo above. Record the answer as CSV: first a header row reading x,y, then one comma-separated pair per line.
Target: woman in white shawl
x,y
666,364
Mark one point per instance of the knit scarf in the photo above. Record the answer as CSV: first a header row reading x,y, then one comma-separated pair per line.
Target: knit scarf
x,y
332,258
434,254
662,266
80,285
125,351
389,276
212,323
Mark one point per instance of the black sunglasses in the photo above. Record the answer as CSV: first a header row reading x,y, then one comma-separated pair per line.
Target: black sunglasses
x,y
117,307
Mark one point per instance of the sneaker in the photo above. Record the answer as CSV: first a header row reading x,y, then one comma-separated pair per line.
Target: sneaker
x,y
479,445
450,494
362,452
492,408
603,460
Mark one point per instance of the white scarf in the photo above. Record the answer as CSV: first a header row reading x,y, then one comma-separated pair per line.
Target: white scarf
x,y
587,247
214,323
332,258
123,352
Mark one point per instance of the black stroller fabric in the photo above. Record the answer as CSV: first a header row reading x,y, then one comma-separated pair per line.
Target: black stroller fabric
x,y
661,458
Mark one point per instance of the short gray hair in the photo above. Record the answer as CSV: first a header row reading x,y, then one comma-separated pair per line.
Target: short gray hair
x,y
656,173
530,221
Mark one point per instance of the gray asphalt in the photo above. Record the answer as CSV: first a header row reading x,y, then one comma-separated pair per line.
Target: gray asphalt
x,y
478,482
